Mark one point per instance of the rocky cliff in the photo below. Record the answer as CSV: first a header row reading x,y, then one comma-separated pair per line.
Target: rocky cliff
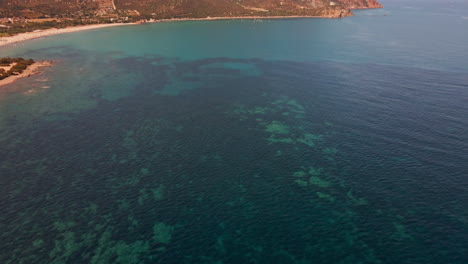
x,y
359,4
181,8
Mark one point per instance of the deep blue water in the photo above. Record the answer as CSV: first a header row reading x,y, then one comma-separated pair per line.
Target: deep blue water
x,y
282,141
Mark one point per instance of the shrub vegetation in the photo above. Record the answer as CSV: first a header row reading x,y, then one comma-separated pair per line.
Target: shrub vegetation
x,y
18,65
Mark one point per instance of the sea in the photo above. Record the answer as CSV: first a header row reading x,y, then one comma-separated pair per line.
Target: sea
x,y
302,140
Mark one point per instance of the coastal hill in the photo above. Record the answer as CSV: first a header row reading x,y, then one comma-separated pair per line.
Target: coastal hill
x,y
158,9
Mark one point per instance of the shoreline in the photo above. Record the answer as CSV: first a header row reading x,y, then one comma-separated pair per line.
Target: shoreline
x,y
234,18
33,69
4,41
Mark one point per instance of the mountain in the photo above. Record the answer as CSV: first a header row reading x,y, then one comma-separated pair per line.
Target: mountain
x,y
180,8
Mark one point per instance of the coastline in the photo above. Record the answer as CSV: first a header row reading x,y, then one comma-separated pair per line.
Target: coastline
x,y
32,69
52,31
235,18
4,41
55,31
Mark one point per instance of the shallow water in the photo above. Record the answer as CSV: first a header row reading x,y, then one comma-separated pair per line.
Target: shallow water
x,y
282,141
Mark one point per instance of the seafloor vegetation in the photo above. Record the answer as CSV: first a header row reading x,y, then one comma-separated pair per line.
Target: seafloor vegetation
x,y
157,160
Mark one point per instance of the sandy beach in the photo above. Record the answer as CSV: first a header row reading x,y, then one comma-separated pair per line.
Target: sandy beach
x,y
52,31
238,18
32,69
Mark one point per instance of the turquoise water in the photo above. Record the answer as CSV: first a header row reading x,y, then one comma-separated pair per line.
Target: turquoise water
x,y
280,141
